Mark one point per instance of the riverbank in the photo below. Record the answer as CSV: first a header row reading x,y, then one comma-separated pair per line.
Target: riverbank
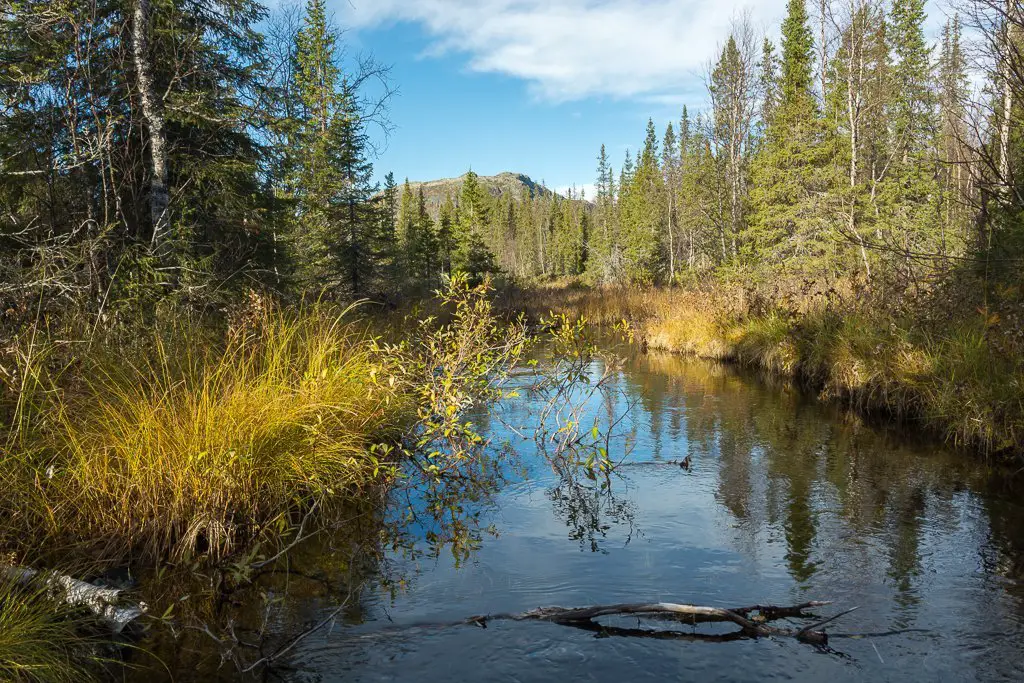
x,y
219,447
962,380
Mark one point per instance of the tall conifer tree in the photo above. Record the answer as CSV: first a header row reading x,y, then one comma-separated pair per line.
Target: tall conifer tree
x,y
472,255
910,195
643,216
787,172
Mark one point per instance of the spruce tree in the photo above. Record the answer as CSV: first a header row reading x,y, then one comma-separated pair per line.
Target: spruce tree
x,y
853,129
406,235
909,197
446,234
389,204
699,200
626,172
684,201
338,242
472,255
670,168
768,80
954,133
133,135
316,77
787,173
385,234
912,112
602,240
422,245
733,90
360,250
506,233
643,216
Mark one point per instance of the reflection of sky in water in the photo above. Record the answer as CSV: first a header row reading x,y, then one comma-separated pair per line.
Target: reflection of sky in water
x,y
787,501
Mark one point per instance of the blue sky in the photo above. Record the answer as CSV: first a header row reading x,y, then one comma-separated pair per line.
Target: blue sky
x,y
536,86
448,118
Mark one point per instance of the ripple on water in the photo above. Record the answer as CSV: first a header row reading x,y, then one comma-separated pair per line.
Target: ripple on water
x,y
787,501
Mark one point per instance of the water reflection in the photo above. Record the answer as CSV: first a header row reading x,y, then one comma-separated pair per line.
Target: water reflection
x,y
591,511
784,460
786,500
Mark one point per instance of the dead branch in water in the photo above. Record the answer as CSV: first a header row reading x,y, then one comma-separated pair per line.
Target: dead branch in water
x,y
753,621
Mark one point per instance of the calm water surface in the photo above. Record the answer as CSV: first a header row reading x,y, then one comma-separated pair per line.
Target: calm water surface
x,y
787,501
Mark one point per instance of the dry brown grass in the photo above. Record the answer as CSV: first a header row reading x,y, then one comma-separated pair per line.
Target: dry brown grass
x,y
955,380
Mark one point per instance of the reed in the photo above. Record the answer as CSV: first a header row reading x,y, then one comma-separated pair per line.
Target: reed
x,y
197,446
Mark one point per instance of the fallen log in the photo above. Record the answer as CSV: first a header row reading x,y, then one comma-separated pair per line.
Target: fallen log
x,y
752,620
106,603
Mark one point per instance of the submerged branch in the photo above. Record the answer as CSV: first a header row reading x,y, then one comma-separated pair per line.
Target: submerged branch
x,y
752,620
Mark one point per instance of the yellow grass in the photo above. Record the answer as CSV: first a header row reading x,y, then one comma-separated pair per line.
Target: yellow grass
x,y
41,641
198,446
954,380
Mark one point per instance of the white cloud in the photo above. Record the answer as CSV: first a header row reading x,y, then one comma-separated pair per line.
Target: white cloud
x,y
572,49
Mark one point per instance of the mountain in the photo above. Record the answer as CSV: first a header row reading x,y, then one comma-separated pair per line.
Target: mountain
x,y
515,184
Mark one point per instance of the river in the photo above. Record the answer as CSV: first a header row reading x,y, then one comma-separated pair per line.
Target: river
x,y
786,500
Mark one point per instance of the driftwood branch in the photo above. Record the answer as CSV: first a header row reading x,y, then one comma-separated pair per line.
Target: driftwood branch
x,y
105,603
753,621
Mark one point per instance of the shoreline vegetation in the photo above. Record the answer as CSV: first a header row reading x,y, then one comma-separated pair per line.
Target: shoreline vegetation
x,y
953,379
209,446
212,444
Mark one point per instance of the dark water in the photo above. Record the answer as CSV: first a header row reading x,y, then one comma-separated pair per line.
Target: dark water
x,y
787,501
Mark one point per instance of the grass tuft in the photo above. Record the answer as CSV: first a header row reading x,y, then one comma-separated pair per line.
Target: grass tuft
x,y
195,449
41,641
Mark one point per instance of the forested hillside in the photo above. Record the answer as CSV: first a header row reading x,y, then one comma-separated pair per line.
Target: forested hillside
x,y
505,225
514,185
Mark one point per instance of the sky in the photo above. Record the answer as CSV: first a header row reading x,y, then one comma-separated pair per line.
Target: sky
x,y
537,86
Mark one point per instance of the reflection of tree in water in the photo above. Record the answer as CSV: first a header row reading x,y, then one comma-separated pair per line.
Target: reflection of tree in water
x,y
906,520
759,449
787,462
792,455
590,510
700,398
435,515
1003,554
